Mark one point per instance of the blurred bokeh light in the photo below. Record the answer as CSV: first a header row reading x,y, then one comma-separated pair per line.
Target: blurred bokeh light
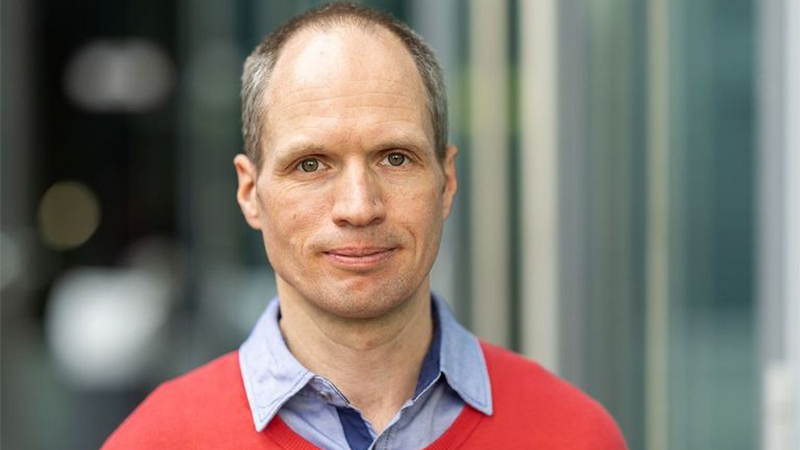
x,y
103,325
69,213
119,76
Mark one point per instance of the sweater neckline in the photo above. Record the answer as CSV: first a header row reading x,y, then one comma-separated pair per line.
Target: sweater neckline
x,y
459,431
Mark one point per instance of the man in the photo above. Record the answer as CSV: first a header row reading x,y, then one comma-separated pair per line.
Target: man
x,y
349,179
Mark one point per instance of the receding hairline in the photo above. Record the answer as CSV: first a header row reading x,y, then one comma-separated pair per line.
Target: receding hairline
x,y
303,36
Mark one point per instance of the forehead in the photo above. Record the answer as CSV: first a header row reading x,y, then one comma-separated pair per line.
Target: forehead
x,y
345,52
345,65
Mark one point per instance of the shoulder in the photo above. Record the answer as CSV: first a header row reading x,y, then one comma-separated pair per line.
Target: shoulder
x,y
187,409
526,393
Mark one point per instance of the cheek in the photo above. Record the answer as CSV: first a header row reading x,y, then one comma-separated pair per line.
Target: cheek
x,y
421,210
292,216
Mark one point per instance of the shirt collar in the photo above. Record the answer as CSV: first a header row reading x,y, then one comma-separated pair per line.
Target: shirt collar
x,y
462,360
272,375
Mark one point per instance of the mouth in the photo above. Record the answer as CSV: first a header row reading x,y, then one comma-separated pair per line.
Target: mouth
x,y
359,257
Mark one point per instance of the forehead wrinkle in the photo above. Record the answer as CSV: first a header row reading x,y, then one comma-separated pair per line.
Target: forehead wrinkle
x,y
351,101
367,130
355,95
380,84
301,113
394,130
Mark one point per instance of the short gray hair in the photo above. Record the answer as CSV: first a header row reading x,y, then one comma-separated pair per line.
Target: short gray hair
x,y
259,65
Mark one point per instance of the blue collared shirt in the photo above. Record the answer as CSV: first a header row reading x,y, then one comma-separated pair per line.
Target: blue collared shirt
x,y
453,374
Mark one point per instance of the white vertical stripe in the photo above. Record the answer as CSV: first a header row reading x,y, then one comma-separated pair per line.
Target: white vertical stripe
x,y
539,179
657,230
791,177
489,210
779,222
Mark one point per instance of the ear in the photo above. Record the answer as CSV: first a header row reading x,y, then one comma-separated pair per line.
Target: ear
x,y
246,193
450,180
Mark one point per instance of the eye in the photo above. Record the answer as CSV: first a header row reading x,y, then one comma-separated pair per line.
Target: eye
x,y
309,165
396,159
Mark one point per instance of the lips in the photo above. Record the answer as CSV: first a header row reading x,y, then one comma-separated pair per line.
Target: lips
x,y
359,257
358,251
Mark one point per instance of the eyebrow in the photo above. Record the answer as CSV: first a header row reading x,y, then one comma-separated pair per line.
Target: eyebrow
x,y
403,142
294,151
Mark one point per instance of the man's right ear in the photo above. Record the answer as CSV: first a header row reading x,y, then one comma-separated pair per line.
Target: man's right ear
x,y
246,193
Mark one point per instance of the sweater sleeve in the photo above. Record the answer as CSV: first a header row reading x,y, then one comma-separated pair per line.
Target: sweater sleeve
x,y
544,410
602,432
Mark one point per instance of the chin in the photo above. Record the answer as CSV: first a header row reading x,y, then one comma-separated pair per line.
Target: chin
x,y
363,302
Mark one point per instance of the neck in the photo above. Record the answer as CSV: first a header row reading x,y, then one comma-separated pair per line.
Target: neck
x,y
374,362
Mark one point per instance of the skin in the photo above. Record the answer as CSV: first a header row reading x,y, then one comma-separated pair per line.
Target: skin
x,y
350,202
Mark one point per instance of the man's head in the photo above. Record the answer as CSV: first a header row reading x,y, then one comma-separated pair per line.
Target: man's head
x,y
351,192
260,64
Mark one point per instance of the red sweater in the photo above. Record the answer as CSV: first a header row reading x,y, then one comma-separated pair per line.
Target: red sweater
x,y
207,409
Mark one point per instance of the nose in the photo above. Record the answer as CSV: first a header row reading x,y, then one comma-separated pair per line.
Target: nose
x,y
358,199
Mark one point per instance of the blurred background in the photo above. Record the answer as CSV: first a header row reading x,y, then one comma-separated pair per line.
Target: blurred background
x,y
629,212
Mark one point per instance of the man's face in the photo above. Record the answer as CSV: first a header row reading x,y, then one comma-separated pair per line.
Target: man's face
x,y
351,198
